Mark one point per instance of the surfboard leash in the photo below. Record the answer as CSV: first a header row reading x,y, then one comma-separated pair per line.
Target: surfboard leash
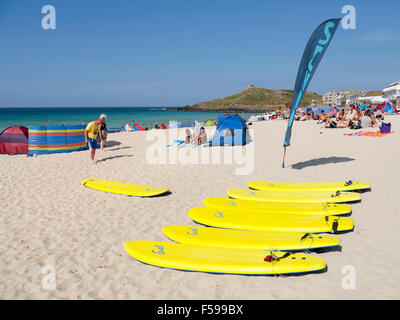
x,y
304,237
273,259
335,224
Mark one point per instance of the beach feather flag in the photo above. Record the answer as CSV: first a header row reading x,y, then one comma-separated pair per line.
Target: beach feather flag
x,y
313,53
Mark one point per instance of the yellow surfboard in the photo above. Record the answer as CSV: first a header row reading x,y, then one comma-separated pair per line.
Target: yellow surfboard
x,y
278,207
221,260
305,186
123,188
270,222
294,196
246,239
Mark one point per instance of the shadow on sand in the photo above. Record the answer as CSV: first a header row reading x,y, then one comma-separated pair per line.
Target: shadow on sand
x,y
112,143
121,148
320,161
115,157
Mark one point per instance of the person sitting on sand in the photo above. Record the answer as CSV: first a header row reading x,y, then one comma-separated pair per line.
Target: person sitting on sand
x,y
357,115
341,116
305,116
92,134
329,123
188,136
365,121
302,117
202,136
373,119
335,123
156,126
379,115
322,117
334,112
368,120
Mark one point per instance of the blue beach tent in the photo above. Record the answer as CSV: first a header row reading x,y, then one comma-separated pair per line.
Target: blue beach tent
x,y
231,130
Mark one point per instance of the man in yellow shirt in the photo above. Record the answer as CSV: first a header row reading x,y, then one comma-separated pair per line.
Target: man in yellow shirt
x,y
92,133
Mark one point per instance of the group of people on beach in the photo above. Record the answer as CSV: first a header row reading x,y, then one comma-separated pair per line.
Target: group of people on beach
x,y
354,118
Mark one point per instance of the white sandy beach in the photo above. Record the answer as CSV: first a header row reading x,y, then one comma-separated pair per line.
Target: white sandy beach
x,y
48,218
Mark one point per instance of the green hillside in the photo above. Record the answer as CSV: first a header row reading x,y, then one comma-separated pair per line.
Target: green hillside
x,y
254,100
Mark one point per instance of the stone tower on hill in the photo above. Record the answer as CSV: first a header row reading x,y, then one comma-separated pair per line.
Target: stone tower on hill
x,y
250,86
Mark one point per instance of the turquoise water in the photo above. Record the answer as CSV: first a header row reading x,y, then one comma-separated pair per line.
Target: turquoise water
x,y
116,116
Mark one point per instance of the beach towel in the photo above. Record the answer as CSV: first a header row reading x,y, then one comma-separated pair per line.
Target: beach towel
x,y
175,142
184,145
368,134
376,134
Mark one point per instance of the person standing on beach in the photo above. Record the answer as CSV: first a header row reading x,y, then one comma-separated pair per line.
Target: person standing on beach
x,y
92,133
103,133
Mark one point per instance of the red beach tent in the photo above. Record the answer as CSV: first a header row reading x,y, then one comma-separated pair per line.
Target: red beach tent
x,y
14,140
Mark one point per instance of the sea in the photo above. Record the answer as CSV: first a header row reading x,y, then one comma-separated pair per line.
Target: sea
x,y
117,117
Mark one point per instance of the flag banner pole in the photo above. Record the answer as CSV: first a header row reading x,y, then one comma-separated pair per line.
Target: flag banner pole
x,y
284,155
313,53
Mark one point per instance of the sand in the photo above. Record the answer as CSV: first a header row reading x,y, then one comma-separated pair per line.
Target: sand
x,y
50,223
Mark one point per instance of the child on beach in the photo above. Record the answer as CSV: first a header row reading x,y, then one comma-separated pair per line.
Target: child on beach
x,y
92,133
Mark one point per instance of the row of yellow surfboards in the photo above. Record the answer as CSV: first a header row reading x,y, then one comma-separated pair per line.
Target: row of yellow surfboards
x,y
261,230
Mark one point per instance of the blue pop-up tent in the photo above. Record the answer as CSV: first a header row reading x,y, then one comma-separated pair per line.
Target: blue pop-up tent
x,y
231,130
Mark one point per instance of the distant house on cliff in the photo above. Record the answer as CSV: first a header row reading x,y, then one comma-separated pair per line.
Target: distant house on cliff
x,y
250,86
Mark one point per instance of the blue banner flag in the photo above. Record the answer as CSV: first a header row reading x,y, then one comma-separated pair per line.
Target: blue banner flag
x,y
312,56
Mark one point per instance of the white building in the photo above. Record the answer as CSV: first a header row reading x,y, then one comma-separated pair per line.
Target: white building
x,y
330,97
392,93
348,97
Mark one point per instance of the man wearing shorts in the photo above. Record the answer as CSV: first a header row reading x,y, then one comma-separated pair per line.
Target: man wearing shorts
x,y
92,132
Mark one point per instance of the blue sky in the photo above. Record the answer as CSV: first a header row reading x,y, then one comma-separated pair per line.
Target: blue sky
x,y
173,53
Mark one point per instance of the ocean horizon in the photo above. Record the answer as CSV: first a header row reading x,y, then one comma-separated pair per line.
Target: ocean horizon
x,y
116,116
